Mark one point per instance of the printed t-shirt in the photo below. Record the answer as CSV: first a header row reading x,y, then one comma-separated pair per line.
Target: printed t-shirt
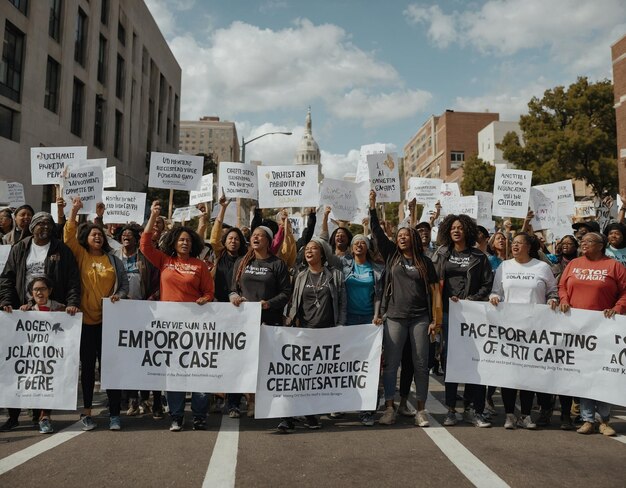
x,y
617,254
529,282
134,277
316,306
35,263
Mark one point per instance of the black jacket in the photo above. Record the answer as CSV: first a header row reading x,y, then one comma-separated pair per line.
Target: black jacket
x,y
479,274
60,267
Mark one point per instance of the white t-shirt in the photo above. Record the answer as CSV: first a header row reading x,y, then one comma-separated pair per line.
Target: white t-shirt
x,y
35,263
531,282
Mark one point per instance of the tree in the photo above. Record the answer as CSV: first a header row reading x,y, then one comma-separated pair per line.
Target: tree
x,y
569,133
478,175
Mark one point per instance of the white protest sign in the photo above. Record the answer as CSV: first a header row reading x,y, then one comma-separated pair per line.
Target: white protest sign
x,y
311,371
425,191
175,171
288,186
205,194
110,177
230,216
87,163
384,176
86,183
484,209
4,192
531,347
39,359
47,163
362,169
348,200
123,207
511,192
185,214
238,180
460,205
544,207
4,255
297,224
449,190
603,212
180,346
319,217
584,209
16,194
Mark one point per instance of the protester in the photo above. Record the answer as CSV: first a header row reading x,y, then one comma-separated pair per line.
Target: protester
x,y
523,279
569,251
102,275
607,294
411,304
22,217
497,250
465,274
616,236
184,278
6,222
340,238
424,230
582,228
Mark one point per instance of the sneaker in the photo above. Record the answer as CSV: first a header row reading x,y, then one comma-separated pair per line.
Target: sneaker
x,y
250,412
157,413
480,421
336,415
510,422
312,422
406,410
587,428
366,419
567,424
144,408
234,413
45,427
450,419
199,423
115,423
88,423
526,422
389,417
606,429
176,425
490,410
286,426
468,416
545,417
133,409
421,419
10,424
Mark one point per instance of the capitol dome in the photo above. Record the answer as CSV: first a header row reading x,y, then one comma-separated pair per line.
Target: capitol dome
x,y
308,151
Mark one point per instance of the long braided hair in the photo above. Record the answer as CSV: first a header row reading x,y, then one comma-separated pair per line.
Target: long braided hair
x,y
418,254
249,257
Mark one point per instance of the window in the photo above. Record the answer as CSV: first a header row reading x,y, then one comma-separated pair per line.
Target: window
x,y
78,98
117,150
53,74
456,159
104,12
102,59
80,42
21,5
54,23
121,34
98,131
119,78
11,66
9,123
168,134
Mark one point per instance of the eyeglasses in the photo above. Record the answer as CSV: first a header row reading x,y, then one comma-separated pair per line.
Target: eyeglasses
x,y
40,289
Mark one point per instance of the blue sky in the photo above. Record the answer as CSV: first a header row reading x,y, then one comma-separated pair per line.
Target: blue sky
x,y
374,71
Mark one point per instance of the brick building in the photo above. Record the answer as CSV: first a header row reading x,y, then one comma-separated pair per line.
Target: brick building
x,y
618,54
210,135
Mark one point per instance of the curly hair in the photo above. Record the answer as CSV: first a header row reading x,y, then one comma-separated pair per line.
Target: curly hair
x,y
470,230
243,247
334,234
171,238
83,233
135,229
532,242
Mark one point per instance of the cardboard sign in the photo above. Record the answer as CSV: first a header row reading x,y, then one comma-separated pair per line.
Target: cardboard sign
x,y
384,176
288,186
348,200
85,183
123,207
175,171
238,180
205,194
48,163
511,192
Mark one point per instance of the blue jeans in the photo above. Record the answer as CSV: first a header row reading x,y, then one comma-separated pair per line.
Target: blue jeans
x,y
355,319
199,404
588,410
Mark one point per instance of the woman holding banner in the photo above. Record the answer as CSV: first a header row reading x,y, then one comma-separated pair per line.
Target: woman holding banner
x,y
184,278
606,293
465,274
537,286
102,275
411,303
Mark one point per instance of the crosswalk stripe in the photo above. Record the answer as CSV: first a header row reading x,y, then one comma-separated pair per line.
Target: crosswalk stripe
x,y
223,465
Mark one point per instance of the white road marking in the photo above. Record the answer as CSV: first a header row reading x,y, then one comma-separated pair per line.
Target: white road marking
x,y
223,465
50,442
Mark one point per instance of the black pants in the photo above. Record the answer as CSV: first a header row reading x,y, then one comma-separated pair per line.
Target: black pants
x,y
525,397
546,402
406,369
14,413
90,351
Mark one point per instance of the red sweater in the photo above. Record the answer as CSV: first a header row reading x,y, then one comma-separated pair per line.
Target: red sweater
x,y
594,285
182,280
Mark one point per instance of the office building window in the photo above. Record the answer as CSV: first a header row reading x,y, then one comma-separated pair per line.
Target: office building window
x,y
54,23
117,149
21,5
119,78
98,131
456,159
78,98
12,59
102,59
104,12
121,34
53,76
80,41
9,123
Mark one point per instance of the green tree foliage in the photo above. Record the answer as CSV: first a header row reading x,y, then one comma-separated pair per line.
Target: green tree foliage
x,y
478,175
569,133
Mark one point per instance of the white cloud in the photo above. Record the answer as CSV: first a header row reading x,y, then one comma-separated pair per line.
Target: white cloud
x,y
442,31
339,165
163,16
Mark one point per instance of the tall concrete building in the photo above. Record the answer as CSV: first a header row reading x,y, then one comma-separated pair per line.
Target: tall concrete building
x,y
209,135
493,134
308,151
618,54
94,73
443,143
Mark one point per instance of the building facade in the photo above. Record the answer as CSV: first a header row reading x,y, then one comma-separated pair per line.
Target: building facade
x,y
208,136
95,73
493,134
443,143
308,151
618,54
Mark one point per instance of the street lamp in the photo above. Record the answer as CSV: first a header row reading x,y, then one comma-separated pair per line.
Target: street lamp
x,y
244,142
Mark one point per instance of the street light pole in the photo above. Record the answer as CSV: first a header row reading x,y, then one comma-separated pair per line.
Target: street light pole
x,y
244,142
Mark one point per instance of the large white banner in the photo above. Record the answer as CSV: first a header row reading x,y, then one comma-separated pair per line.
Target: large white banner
x,y
532,347
311,371
180,346
39,354
511,192
288,186
175,171
384,176
123,207
47,163
348,200
84,182
205,194
238,180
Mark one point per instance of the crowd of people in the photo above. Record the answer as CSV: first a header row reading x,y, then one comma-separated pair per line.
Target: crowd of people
x,y
394,278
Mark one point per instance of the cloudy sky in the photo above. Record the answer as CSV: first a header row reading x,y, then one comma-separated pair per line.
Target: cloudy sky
x,y
374,71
